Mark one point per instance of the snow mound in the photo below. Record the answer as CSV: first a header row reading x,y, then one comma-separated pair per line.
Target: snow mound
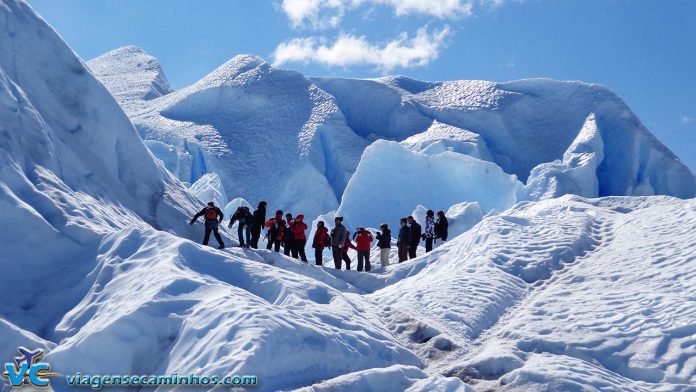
x,y
130,74
391,180
442,137
214,313
462,217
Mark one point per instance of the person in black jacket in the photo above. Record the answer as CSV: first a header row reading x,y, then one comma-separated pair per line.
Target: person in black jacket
x,y
403,240
288,237
416,233
258,220
384,244
213,216
441,226
243,216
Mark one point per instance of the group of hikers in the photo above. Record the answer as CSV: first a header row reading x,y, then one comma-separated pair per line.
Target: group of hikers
x,y
290,234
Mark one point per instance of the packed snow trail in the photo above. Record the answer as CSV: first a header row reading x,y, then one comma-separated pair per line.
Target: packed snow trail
x,y
605,285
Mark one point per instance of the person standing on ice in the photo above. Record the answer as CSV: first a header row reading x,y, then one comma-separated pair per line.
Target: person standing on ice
x,y
415,237
244,217
363,243
300,238
257,221
213,217
289,237
403,241
321,240
429,234
347,245
384,244
441,226
276,226
338,240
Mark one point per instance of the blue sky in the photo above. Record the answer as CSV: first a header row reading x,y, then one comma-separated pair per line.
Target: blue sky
x,y
644,50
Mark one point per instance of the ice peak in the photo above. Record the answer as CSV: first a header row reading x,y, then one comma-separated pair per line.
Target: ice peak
x,y
128,49
126,58
130,74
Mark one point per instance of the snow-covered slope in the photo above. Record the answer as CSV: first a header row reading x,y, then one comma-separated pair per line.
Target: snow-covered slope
x,y
562,294
269,134
72,169
215,313
73,140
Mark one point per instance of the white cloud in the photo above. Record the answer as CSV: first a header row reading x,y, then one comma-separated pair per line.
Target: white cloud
x,y
320,14
314,12
686,119
349,50
445,9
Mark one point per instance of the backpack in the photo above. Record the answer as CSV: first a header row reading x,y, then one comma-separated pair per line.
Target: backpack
x,y
211,214
246,216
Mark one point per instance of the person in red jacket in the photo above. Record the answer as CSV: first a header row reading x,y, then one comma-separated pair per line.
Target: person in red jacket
x,y
276,226
363,241
321,241
300,238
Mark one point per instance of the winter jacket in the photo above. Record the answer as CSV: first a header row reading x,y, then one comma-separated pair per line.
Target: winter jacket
x,y
276,226
384,239
320,238
441,228
415,234
299,228
339,235
429,227
242,215
288,233
363,241
259,217
210,214
404,236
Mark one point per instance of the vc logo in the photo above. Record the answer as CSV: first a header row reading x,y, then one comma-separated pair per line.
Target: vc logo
x,y
28,370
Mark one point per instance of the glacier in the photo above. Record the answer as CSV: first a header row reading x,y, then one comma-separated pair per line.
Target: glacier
x,y
569,264
534,129
391,179
260,129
